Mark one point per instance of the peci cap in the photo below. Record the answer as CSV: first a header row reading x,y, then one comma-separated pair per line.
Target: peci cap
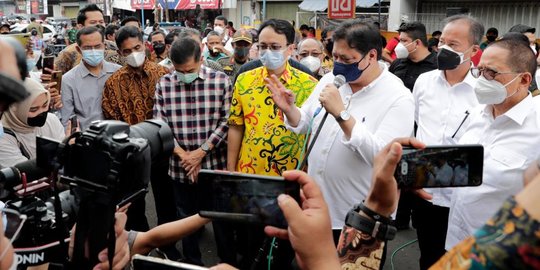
x,y
243,34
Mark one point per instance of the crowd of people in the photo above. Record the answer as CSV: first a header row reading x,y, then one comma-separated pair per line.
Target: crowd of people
x,y
253,101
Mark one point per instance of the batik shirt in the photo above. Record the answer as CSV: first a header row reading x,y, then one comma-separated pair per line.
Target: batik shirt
x,y
267,148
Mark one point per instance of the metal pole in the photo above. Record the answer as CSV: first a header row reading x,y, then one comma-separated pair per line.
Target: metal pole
x,y
264,11
142,15
379,12
241,12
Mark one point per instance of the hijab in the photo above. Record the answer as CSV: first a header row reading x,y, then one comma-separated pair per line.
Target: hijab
x,y
16,117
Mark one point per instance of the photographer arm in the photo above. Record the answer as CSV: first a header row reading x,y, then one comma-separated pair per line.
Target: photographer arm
x,y
166,234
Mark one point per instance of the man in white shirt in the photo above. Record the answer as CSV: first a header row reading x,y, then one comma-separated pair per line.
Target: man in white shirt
x,y
444,99
366,113
507,126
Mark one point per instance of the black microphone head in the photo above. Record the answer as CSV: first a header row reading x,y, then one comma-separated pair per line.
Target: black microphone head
x,y
339,80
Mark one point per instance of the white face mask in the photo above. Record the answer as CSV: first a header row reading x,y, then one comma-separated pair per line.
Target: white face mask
x,y
492,92
219,30
402,51
311,62
136,59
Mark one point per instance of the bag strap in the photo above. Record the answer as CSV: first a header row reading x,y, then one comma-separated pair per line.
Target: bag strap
x,y
12,133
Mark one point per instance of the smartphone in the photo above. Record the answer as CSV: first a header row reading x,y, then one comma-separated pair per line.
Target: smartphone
x,y
56,76
141,262
243,197
133,197
441,166
74,123
48,62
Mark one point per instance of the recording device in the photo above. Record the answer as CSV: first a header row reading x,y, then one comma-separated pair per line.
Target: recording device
x,y
56,76
141,262
339,80
48,63
131,198
74,123
243,197
110,161
441,166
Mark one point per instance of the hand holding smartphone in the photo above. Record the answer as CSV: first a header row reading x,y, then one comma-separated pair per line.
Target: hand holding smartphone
x,y
441,166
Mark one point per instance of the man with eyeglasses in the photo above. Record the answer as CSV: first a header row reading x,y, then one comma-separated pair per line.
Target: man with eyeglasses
x,y
443,99
507,125
258,141
82,87
311,55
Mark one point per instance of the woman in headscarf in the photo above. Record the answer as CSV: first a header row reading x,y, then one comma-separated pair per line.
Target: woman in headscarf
x,y
23,121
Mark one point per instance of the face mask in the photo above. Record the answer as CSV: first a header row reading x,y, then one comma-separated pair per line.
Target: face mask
x,y
351,72
241,52
272,60
93,57
159,48
219,30
187,77
329,47
491,38
136,59
38,120
311,62
491,92
401,50
448,59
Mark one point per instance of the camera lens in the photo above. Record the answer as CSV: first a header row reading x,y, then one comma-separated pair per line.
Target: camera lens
x,y
159,136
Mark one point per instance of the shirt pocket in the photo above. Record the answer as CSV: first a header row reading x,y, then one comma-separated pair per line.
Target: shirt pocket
x,y
506,160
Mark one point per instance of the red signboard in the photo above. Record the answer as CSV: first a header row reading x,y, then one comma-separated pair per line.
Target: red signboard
x,y
142,4
204,4
341,9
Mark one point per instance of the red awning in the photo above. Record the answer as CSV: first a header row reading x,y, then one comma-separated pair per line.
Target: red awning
x,y
204,4
143,4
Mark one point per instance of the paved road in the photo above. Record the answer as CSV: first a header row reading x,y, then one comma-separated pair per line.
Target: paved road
x,y
406,259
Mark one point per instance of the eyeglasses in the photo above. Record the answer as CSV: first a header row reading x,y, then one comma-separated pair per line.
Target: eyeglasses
x,y
489,74
306,54
13,222
272,47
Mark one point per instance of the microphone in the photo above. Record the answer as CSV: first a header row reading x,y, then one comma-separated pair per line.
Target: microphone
x,y
339,80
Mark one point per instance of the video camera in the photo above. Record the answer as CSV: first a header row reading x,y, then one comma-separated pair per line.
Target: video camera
x,y
108,162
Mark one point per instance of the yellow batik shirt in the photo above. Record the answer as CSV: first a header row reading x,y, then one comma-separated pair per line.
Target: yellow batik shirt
x,y
268,148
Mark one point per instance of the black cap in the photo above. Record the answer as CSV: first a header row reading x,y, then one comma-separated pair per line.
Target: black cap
x,y
521,28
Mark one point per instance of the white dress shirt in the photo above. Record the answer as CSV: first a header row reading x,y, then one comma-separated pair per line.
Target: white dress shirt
x,y
383,110
510,143
440,110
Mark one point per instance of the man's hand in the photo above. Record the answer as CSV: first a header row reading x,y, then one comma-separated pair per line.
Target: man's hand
x,y
221,49
193,159
121,255
56,98
46,77
384,195
331,100
223,266
309,231
283,98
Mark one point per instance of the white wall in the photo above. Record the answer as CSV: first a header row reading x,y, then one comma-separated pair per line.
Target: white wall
x,y
397,9
242,10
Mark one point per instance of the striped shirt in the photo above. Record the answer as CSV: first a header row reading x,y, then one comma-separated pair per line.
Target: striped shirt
x,y
196,113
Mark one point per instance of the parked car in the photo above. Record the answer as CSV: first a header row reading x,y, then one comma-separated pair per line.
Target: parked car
x,y
48,30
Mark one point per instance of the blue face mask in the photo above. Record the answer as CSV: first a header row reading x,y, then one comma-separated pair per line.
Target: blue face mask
x,y
30,64
93,57
187,77
272,60
351,72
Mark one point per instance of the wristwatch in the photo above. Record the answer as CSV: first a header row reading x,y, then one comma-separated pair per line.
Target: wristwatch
x,y
205,147
343,116
378,229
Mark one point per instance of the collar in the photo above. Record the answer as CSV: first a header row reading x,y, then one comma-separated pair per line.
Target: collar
x,y
469,79
518,113
107,68
285,77
373,83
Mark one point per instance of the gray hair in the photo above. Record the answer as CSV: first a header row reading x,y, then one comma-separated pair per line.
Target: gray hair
x,y
321,46
476,31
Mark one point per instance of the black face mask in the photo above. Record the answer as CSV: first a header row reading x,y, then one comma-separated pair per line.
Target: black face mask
x,y
447,60
38,120
329,47
491,38
159,48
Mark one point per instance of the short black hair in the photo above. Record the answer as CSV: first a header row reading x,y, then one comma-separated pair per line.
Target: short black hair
x,y
436,33
157,32
126,32
304,27
281,27
415,30
492,30
520,56
230,24
222,18
328,28
130,19
88,31
360,36
516,36
5,25
111,28
81,17
184,49
169,38
32,19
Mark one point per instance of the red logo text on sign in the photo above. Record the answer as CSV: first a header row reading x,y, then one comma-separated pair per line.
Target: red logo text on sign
x,y
341,9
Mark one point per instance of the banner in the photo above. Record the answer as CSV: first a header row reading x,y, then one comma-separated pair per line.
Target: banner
x,y
204,4
142,4
170,3
341,9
